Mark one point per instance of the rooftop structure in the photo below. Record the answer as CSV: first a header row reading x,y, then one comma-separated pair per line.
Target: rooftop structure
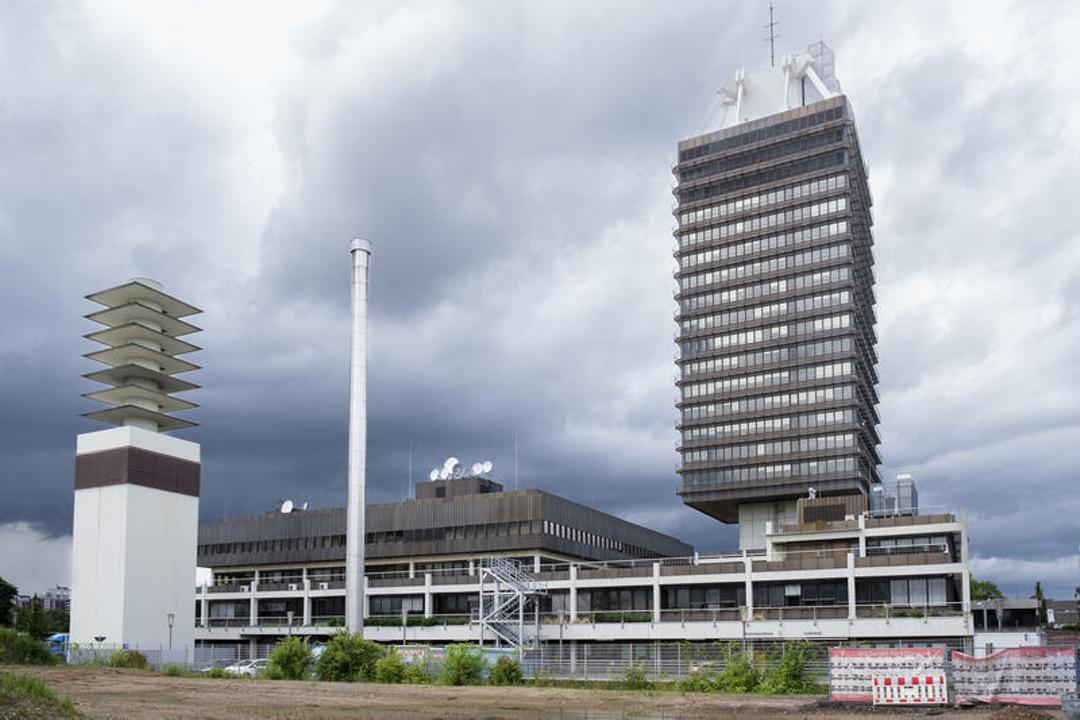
x,y
142,335
776,343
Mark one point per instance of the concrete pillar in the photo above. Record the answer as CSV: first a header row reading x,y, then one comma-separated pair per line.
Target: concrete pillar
x,y
573,595
253,648
204,607
862,535
427,595
412,569
965,575
851,610
536,562
472,567
253,618
307,600
656,591
748,570
366,606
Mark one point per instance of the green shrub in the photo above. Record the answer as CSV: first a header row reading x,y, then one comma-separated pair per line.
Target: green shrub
x,y
24,696
464,665
174,670
618,616
348,657
697,682
416,674
789,674
131,659
19,649
390,668
635,678
289,660
507,671
738,676
220,673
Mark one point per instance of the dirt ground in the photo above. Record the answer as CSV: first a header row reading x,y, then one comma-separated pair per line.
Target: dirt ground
x,y
112,693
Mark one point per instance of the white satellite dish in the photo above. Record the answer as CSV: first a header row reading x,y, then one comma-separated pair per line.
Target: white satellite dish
x,y
476,469
488,465
304,506
433,475
287,507
459,471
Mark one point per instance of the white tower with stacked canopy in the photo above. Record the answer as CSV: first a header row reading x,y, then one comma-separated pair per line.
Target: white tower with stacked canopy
x,y
136,489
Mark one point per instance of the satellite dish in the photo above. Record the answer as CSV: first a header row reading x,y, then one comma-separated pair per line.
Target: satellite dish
x,y
287,507
433,475
459,471
476,469
304,506
488,465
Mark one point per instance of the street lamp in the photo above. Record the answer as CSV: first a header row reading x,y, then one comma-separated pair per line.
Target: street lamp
x,y
170,617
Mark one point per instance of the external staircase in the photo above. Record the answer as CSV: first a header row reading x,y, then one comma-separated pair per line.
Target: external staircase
x,y
507,593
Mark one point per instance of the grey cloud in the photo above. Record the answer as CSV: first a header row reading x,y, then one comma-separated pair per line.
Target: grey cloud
x,y
511,162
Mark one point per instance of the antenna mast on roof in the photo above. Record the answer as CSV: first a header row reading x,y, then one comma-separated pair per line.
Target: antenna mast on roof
x,y
771,27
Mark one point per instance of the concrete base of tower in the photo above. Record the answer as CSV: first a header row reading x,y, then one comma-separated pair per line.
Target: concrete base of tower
x,y
134,540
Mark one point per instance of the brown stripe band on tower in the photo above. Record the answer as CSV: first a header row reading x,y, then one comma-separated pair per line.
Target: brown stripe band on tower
x,y
135,466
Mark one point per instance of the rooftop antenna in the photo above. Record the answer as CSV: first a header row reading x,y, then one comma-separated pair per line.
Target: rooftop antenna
x,y
771,27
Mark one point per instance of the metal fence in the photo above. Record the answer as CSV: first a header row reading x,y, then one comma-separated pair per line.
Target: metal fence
x,y
660,661
198,658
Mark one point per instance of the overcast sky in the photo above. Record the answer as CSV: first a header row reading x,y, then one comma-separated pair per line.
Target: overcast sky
x,y
511,162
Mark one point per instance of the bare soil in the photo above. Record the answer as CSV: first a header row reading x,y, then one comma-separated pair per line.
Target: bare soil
x,y
113,693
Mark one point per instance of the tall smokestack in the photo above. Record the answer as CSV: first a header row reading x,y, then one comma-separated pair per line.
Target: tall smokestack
x,y
360,250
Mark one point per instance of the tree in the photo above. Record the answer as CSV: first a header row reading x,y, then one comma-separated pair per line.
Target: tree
x,y
289,659
1043,615
8,592
32,621
984,590
348,657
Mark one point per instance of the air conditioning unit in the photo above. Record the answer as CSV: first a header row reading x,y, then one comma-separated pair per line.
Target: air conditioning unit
x,y
245,588
293,586
324,586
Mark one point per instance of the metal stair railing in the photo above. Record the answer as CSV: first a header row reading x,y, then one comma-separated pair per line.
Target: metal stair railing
x,y
502,607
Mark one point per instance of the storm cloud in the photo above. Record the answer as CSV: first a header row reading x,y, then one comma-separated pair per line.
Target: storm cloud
x,y
511,162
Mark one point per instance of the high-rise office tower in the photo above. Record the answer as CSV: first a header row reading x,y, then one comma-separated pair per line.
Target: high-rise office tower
x,y
776,302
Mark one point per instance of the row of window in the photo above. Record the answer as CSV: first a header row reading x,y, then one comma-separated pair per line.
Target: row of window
x,y
778,241
764,133
748,451
752,225
763,403
315,542
914,592
794,146
760,267
754,473
824,161
771,356
760,380
765,334
765,289
764,200
789,594
764,312
768,425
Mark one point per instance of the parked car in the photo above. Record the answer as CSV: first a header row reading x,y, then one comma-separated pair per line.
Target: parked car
x,y
250,668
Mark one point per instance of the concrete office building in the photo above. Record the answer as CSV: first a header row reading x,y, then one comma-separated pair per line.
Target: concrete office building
x,y
775,300
837,573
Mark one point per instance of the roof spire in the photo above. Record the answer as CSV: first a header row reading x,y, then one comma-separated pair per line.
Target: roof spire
x,y
771,27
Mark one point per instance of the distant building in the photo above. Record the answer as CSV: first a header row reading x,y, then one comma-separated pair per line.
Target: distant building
x,y
57,598
776,343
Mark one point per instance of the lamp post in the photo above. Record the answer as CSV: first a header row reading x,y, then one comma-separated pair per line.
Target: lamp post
x,y
170,617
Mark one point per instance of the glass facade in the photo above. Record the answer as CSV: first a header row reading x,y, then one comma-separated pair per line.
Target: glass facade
x,y
776,343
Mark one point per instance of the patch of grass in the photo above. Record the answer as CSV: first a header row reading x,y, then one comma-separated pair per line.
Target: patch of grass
x,y
23,696
175,670
20,649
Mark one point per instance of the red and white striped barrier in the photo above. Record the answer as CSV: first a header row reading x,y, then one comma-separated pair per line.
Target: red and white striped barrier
x,y
927,689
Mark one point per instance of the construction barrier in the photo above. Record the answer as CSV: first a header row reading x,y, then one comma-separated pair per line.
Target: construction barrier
x,y
852,670
1026,675
910,689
